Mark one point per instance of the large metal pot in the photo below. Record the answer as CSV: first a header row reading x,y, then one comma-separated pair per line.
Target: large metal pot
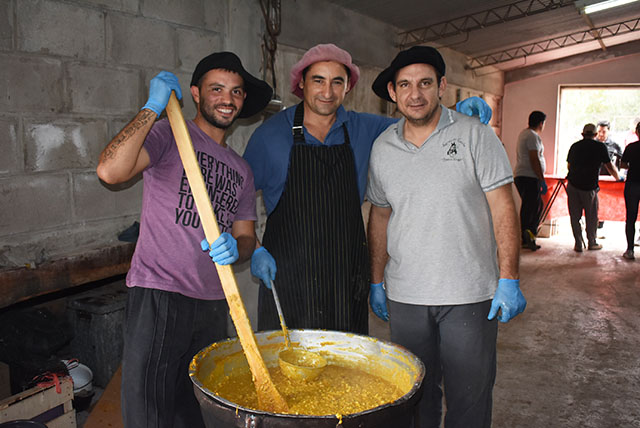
x,y
392,362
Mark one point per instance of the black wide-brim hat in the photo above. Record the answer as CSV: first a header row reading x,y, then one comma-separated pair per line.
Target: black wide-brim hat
x,y
258,91
414,55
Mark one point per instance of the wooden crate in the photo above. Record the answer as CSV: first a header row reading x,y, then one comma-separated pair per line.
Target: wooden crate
x,y
43,404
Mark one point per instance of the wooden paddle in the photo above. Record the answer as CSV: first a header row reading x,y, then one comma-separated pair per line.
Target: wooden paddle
x,y
268,396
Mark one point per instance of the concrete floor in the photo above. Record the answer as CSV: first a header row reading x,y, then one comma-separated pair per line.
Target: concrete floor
x,y
572,359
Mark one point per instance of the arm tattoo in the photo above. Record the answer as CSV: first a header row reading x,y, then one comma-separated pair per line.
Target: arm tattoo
x,y
132,127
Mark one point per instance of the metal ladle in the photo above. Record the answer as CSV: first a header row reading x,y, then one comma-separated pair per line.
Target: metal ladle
x,y
296,363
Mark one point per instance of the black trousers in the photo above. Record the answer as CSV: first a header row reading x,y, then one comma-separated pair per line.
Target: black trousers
x,y
163,332
631,201
457,345
531,208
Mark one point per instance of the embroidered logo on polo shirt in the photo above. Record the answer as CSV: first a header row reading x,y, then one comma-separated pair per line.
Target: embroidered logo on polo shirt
x,y
452,150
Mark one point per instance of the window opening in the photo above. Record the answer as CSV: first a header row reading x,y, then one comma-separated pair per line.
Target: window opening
x,y
579,105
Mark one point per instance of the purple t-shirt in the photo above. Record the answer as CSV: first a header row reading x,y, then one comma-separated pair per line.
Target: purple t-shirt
x,y
168,255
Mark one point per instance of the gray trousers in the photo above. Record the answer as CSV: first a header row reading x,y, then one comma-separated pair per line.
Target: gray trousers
x,y
163,331
579,200
457,345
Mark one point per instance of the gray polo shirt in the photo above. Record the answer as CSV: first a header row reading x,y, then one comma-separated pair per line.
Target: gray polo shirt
x,y
440,235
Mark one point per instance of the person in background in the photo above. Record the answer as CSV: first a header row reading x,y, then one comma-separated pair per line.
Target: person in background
x,y
584,160
310,161
631,161
175,303
444,240
529,178
630,135
614,150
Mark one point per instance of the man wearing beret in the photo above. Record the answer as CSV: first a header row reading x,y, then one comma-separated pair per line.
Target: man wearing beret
x,y
175,303
310,162
444,240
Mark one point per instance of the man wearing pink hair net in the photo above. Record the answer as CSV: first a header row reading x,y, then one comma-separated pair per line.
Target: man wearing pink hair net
x,y
311,162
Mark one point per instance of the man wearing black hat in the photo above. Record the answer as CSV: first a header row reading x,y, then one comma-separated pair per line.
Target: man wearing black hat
x,y
440,185
175,303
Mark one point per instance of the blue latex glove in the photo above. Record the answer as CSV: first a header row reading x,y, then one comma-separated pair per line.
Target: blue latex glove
x,y
160,89
509,299
543,187
378,301
475,106
263,266
224,250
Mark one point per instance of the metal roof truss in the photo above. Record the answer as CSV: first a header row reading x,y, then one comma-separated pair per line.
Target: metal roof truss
x,y
558,42
479,20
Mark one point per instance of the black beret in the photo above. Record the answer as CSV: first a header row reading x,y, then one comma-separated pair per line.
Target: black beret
x,y
414,55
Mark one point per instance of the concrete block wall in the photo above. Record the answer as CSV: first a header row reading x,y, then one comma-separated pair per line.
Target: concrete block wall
x,y
72,74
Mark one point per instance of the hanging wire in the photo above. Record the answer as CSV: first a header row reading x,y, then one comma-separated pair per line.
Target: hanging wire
x,y
271,14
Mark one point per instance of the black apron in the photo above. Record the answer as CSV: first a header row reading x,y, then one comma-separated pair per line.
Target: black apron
x,y
316,235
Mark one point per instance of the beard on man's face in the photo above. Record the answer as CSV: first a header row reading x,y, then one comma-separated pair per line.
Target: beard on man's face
x,y
209,114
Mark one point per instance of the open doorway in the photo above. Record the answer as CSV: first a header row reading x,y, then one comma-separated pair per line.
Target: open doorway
x,y
579,105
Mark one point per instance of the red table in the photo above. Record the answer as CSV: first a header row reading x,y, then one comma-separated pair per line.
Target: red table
x,y
611,197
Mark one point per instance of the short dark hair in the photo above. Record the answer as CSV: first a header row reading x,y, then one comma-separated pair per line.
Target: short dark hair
x,y
604,123
536,118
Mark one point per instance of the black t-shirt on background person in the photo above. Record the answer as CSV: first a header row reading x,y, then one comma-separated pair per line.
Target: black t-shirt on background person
x,y
631,157
585,158
615,153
